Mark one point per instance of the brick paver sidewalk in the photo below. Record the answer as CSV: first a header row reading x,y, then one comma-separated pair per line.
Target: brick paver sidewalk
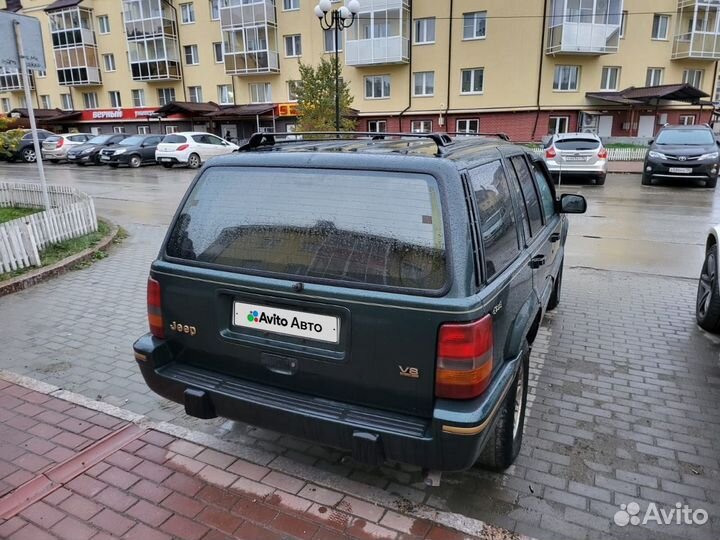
x,y
70,472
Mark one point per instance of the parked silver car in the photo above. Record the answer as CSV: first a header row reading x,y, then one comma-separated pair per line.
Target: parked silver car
x,y
576,155
55,147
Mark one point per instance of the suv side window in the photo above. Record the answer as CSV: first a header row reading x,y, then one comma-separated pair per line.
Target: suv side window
x,y
546,194
497,218
532,203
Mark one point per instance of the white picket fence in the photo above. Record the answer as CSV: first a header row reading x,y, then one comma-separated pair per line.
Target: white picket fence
x,y
614,154
72,214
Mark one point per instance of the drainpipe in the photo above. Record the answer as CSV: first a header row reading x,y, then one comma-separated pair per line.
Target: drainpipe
x,y
180,57
410,73
540,69
712,90
449,73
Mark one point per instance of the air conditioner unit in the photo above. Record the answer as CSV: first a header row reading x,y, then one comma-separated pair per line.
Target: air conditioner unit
x,y
589,121
589,130
662,119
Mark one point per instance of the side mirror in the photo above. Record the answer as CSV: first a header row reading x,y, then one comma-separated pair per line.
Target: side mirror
x,y
572,204
651,141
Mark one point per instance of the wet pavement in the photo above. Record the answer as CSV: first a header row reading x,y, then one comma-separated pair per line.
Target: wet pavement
x,y
624,402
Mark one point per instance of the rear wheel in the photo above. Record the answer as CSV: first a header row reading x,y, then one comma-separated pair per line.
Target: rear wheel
x,y
504,442
28,155
707,306
712,182
557,289
135,162
193,161
646,180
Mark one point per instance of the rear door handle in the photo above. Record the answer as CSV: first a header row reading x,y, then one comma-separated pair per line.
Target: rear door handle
x,y
555,237
537,261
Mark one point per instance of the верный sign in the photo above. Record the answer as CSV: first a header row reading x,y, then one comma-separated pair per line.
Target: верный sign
x,y
32,41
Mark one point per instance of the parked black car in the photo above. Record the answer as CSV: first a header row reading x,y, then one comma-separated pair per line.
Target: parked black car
x,y
134,151
26,150
685,152
90,151
379,296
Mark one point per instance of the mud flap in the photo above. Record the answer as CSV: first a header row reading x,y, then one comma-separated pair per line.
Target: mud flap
x,y
199,404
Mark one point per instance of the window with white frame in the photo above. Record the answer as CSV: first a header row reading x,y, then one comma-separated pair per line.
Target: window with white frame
x,y
654,76
377,126
170,129
623,24
660,26
293,45
717,89
90,100
425,30
693,77
330,41
468,125
192,58
214,10
558,124
45,102
567,78
165,95
103,24
195,94
687,119
40,73
109,61
293,88
118,129
260,93
421,126
66,102
22,101
289,5
138,97
474,25
187,13
5,103
377,87
424,83
218,52
225,94
115,100
143,130
610,78
472,81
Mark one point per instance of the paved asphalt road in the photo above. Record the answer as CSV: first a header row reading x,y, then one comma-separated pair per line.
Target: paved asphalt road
x,y
624,402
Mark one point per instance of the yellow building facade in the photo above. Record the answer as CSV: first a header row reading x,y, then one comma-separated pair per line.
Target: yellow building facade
x,y
524,67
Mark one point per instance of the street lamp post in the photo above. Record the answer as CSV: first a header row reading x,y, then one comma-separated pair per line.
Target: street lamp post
x,y
337,20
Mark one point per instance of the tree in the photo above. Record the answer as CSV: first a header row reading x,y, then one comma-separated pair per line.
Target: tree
x,y
316,98
9,137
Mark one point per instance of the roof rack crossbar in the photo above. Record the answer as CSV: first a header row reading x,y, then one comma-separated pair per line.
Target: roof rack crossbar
x,y
259,139
499,135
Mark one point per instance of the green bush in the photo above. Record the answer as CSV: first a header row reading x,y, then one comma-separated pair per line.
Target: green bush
x,y
10,142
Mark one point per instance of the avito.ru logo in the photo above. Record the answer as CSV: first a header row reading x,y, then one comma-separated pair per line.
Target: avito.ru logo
x,y
629,514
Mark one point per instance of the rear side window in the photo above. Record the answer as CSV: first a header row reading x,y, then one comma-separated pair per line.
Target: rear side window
x,y
530,197
367,228
577,144
546,195
174,139
497,219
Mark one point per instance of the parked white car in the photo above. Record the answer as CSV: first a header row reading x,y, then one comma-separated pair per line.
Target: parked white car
x,y
191,148
576,155
55,147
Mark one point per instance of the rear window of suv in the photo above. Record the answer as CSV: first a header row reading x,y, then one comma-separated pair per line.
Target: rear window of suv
x,y
364,228
577,144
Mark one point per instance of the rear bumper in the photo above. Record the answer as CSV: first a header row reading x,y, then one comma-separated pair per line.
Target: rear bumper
x,y
596,169
54,154
449,441
171,157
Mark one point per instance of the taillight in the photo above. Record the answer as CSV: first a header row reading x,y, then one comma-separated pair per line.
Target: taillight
x,y
603,153
154,309
550,153
182,147
464,359
60,142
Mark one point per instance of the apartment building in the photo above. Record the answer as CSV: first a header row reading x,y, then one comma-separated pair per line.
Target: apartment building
x,y
524,67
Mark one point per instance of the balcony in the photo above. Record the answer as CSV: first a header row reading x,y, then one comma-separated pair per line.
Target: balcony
x,y
243,13
251,51
698,32
584,27
11,80
74,46
380,34
256,62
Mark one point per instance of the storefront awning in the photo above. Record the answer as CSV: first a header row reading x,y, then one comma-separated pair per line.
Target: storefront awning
x,y
40,114
60,4
242,111
646,95
187,108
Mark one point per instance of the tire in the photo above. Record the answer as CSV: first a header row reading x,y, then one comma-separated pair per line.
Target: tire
x,y
167,165
711,183
707,305
135,162
505,439
646,180
193,161
557,290
28,155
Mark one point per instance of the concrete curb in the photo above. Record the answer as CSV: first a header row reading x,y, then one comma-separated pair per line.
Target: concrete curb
x,y
61,267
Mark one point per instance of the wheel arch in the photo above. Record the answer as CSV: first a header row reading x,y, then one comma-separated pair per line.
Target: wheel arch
x,y
525,327
713,239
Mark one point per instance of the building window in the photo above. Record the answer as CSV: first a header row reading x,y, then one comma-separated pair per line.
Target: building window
x,y
558,124
225,94
424,83
118,129
218,51
187,12
215,10
623,24
421,126
289,5
474,25
654,76
192,58
687,119
425,31
473,81
170,129
293,45
377,87
138,97
660,26
45,102
195,93
22,101
103,24
115,100
377,126
293,87
40,73
693,77
330,42
143,130
66,102
567,78
165,95
90,100
260,93
109,61
610,78
468,126
6,107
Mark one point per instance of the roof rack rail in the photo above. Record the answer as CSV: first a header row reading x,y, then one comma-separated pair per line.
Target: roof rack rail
x,y
260,139
499,135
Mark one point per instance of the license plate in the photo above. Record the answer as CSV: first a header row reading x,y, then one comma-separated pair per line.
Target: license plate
x,y
166,159
72,157
287,322
575,158
680,170
105,158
